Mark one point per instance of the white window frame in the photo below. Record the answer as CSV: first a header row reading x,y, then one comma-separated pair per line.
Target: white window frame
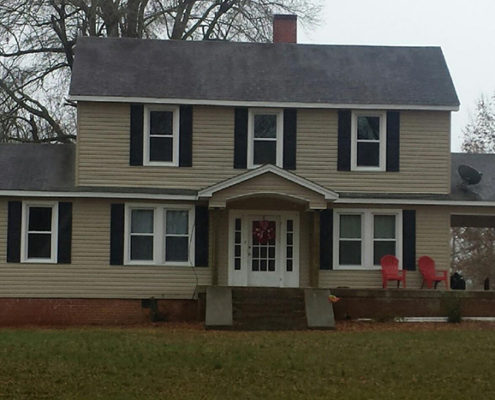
x,y
383,140
159,233
279,113
147,135
25,232
367,236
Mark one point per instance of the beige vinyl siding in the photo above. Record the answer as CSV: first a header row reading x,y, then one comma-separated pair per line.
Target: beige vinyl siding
x,y
90,275
103,149
424,154
432,239
103,152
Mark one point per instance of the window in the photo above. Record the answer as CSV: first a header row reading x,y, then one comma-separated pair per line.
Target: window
x,y
363,237
159,235
141,236
384,237
350,240
368,135
161,135
265,137
39,236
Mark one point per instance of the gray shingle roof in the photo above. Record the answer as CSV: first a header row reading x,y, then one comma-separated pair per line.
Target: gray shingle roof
x,y
265,72
50,168
483,191
43,167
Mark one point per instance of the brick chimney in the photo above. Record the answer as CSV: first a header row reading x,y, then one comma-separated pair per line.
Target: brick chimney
x,y
284,28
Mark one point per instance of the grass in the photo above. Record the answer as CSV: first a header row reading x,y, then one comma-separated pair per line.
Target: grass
x,y
189,363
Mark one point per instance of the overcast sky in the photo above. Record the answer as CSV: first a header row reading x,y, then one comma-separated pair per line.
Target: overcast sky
x,y
464,29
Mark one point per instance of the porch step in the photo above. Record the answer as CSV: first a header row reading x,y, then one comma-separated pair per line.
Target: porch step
x,y
268,309
243,308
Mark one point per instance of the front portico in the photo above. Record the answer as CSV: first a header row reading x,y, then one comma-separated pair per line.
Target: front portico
x,y
264,228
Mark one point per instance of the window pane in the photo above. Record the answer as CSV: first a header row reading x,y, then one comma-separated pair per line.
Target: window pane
x,y
161,149
368,154
161,122
40,219
142,248
349,252
368,128
265,126
381,249
177,249
39,245
265,152
177,222
350,226
142,221
384,227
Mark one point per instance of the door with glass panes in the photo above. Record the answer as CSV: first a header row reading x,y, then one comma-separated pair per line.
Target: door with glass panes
x,y
264,250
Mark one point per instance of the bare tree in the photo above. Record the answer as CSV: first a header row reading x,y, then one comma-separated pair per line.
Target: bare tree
x,y
37,40
473,249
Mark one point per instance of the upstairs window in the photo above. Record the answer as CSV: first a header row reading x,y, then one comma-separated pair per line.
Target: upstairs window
x,y
265,136
368,141
161,135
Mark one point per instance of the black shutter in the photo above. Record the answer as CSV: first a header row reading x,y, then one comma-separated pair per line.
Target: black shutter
x,y
136,140
393,140
201,237
64,233
14,232
117,234
409,239
290,138
326,239
344,141
185,136
240,137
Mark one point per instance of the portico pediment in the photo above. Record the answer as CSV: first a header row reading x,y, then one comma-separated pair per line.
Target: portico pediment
x,y
268,181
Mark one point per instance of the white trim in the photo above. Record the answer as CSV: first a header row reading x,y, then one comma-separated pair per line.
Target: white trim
x,y
104,195
175,135
419,202
279,138
382,140
276,104
175,197
159,235
209,191
367,236
53,232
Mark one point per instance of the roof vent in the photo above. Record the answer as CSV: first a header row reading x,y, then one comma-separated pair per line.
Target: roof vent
x,y
469,175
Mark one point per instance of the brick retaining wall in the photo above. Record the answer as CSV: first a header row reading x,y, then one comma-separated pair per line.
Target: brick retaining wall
x,y
391,303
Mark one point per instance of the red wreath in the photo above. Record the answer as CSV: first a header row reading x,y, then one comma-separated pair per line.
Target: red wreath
x,y
264,231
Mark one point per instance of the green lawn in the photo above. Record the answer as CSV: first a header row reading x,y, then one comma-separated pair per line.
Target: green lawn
x,y
163,362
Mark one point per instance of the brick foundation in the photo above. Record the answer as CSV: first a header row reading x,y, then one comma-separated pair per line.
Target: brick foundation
x,y
67,312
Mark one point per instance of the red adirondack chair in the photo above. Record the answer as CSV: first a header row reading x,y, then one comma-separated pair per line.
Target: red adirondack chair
x,y
427,268
390,271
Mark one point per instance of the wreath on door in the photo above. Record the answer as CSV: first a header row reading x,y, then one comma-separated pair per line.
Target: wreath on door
x,y
264,231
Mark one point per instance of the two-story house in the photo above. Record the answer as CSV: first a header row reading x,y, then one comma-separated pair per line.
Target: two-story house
x,y
242,164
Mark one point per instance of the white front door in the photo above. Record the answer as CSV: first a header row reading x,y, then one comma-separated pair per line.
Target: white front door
x,y
263,258
263,249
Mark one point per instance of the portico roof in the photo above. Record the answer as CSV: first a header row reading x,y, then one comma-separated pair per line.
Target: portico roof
x,y
265,181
